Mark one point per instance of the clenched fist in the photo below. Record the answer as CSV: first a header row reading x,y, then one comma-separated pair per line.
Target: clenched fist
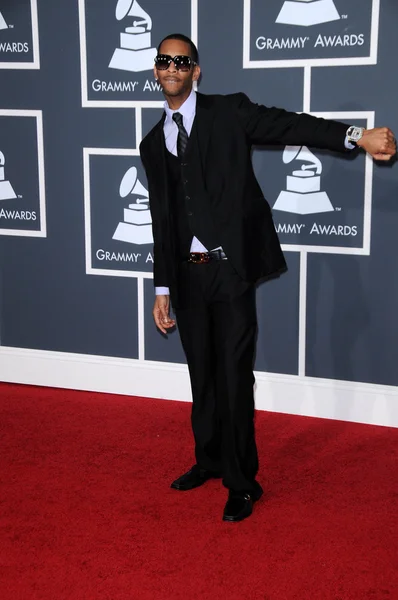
x,y
380,143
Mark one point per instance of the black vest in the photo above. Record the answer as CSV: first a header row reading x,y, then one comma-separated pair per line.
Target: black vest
x,y
189,202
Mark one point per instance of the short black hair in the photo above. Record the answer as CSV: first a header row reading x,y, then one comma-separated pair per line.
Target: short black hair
x,y
183,38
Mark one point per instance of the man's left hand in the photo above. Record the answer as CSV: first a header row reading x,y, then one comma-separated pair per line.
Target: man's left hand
x,y
379,143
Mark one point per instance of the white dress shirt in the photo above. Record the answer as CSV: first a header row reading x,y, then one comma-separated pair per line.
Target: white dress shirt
x,y
170,130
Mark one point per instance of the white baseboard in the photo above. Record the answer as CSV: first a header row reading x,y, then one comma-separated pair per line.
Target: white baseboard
x,y
325,398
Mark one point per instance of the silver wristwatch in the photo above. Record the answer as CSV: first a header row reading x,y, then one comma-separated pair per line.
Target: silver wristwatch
x,y
354,134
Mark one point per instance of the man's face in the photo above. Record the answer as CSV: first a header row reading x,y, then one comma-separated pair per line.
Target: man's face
x,y
176,83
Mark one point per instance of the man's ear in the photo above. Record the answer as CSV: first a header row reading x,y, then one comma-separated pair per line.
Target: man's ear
x,y
155,73
196,73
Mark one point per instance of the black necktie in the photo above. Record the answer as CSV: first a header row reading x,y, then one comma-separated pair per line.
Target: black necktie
x,y
182,139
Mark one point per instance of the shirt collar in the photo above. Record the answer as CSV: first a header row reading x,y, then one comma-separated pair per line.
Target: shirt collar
x,y
187,109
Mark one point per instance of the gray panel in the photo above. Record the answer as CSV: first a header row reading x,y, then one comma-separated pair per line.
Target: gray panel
x,y
366,87
150,117
331,29
335,213
48,301
352,322
121,46
53,305
220,49
121,226
277,311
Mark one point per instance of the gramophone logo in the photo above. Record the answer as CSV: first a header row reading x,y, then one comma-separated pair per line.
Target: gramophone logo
x,y
19,38
22,174
303,195
136,228
307,12
135,52
118,48
293,33
6,189
3,24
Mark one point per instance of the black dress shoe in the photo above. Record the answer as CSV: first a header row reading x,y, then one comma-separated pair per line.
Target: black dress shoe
x,y
194,478
239,505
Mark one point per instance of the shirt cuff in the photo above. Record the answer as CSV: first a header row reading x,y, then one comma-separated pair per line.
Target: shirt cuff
x,y
348,144
162,291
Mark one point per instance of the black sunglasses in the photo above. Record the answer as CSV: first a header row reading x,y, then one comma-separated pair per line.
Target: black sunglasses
x,y
181,62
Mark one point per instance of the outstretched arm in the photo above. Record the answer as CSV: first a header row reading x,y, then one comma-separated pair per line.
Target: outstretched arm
x,y
264,125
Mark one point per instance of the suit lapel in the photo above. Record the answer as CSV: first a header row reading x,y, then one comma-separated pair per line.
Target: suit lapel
x,y
158,161
205,114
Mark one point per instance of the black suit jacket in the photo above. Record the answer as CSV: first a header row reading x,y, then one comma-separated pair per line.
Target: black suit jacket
x,y
227,128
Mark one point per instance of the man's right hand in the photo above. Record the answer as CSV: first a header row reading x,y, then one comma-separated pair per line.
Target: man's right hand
x,y
161,313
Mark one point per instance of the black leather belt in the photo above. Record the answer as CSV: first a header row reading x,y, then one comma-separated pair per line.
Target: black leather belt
x,y
201,258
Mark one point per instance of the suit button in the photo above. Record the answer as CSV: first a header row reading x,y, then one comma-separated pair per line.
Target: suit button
x,y
185,181
190,214
187,197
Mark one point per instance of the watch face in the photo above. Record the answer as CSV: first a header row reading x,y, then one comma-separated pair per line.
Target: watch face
x,y
354,133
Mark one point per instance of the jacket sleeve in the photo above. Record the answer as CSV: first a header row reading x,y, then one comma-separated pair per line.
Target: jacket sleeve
x,y
265,125
160,278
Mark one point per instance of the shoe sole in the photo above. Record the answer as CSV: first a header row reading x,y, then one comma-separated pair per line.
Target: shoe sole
x,y
229,519
186,489
175,486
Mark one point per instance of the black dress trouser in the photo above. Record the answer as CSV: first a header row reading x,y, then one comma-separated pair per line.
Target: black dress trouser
x,y
217,323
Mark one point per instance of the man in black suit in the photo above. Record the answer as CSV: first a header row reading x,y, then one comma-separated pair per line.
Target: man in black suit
x,y
214,238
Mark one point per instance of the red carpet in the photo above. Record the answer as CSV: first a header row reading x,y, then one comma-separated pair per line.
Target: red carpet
x,y
86,511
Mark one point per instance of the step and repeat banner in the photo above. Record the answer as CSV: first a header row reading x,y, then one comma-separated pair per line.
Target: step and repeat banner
x,y
78,95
